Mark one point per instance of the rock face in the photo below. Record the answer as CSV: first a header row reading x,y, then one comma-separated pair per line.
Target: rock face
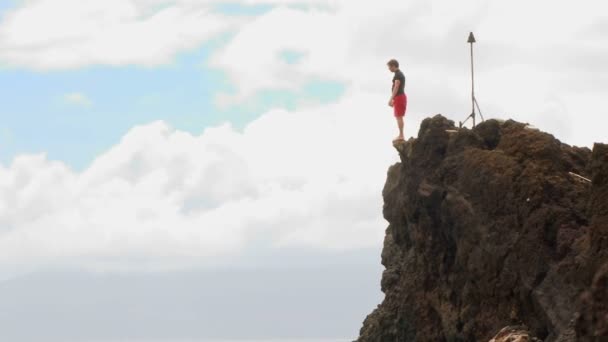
x,y
489,228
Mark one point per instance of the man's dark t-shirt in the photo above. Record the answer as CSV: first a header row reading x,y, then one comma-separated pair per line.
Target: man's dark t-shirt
x,y
399,76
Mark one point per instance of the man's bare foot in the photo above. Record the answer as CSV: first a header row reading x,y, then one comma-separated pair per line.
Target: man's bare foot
x,y
398,138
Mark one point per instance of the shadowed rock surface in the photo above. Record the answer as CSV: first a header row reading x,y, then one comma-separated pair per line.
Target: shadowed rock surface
x,y
488,228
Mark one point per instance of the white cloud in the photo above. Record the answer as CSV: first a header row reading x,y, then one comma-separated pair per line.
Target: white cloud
x,y
68,34
311,177
161,196
253,58
65,34
550,74
77,98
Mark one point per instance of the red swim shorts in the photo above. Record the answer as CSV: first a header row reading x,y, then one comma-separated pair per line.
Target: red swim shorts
x,y
399,105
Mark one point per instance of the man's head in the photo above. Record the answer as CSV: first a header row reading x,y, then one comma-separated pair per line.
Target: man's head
x,y
393,65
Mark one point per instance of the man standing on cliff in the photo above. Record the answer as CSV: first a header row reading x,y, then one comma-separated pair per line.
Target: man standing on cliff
x,y
398,98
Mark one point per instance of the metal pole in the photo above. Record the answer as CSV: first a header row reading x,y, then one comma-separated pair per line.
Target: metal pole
x,y
474,103
472,85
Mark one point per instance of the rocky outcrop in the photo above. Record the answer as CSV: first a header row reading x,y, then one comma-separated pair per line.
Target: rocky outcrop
x,y
491,227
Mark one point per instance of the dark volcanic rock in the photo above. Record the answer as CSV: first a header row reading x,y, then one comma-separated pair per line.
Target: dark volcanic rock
x,y
593,320
488,228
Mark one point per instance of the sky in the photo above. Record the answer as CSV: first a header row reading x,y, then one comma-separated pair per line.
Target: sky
x,y
154,139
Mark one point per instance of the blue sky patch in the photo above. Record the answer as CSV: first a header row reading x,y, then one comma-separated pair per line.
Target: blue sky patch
x,y
291,56
240,9
36,117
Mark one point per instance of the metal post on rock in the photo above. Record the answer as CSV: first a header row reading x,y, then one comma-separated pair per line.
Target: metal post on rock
x,y
474,103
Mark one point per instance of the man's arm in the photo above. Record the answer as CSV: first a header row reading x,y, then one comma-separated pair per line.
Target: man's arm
x,y
396,88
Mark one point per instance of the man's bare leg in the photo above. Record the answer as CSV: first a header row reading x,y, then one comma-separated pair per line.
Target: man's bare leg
x,y
400,124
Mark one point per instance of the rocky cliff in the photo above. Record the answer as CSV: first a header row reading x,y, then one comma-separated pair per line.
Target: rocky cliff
x,y
493,227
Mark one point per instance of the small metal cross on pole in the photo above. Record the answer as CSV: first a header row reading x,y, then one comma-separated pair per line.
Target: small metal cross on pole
x,y
474,103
